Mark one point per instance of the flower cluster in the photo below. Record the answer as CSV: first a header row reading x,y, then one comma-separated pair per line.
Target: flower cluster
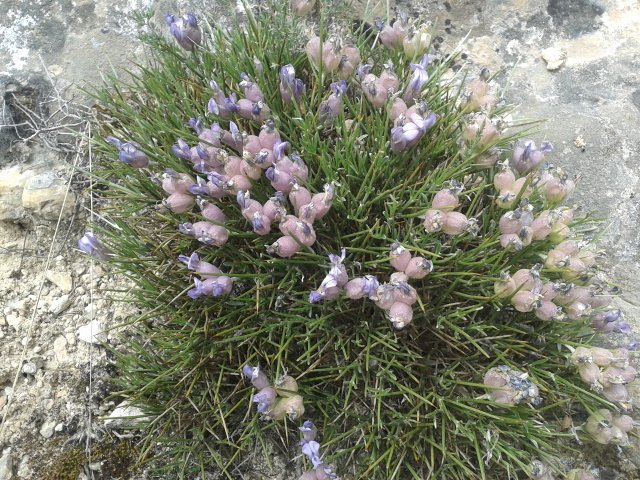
x,y
129,153
395,297
511,387
91,245
185,30
311,448
213,282
477,97
441,217
278,401
608,428
606,371
334,54
402,34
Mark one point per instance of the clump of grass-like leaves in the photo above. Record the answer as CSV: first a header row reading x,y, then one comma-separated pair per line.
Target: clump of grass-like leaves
x,y
389,403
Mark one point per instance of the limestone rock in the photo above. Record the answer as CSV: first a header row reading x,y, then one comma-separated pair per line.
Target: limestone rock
x,y
125,416
6,465
47,428
555,58
12,181
92,332
62,280
60,305
44,194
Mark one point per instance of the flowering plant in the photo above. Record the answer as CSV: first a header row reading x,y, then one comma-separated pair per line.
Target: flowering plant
x,y
437,341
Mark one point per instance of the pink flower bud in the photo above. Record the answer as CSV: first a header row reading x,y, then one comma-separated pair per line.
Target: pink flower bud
x,y
304,233
618,376
505,287
211,212
384,296
398,107
400,257
299,196
559,231
511,241
179,202
314,51
288,224
510,223
547,310
400,315
624,422
284,247
590,374
524,301
210,233
504,180
577,310
446,199
403,292
528,278
616,393
454,223
418,267
261,224
541,226
174,182
433,220
601,356
288,406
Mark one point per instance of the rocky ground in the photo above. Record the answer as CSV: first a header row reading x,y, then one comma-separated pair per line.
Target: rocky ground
x,y
575,63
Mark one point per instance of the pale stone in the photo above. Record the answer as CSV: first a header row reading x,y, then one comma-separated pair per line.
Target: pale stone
x,y
12,181
91,332
125,416
29,368
60,353
60,305
6,465
555,58
62,280
44,195
47,428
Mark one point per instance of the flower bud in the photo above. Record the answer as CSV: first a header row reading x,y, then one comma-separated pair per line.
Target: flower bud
x,y
179,202
129,153
286,386
400,257
580,474
524,301
590,374
91,245
433,220
284,247
526,158
291,406
418,267
616,393
505,287
624,422
257,376
547,310
528,278
185,30
504,180
446,199
454,223
400,315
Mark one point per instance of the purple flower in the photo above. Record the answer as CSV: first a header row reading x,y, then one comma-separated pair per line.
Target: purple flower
x,y
331,108
279,148
622,327
197,125
130,153
251,90
256,376
185,30
410,130
526,157
181,150
309,431
291,88
312,450
90,244
417,80
199,188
